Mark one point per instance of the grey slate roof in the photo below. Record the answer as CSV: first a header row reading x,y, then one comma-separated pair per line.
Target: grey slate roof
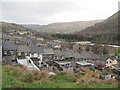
x,y
25,40
35,42
9,46
117,66
48,51
23,48
77,55
93,56
9,37
35,49
104,57
58,52
68,53
86,54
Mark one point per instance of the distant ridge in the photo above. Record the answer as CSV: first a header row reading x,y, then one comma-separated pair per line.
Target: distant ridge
x,y
62,27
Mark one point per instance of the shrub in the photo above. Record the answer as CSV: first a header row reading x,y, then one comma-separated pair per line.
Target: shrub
x,y
38,75
21,66
79,74
111,81
29,77
44,74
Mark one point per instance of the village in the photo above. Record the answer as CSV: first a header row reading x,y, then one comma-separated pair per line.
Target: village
x,y
57,55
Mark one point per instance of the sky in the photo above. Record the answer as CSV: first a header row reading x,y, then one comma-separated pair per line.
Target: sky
x,y
51,11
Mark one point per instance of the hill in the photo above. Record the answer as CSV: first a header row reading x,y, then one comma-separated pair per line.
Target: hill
x,y
107,26
6,27
65,27
19,77
106,31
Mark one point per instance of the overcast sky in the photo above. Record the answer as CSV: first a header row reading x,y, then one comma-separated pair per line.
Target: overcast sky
x,y
50,11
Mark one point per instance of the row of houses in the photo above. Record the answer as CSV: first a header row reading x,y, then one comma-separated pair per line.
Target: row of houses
x,y
99,49
47,54
35,53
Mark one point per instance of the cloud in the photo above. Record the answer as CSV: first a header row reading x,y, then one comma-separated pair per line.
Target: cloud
x,y
49,11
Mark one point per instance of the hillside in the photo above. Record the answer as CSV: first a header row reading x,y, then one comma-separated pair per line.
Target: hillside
x,y
108,26
65,27
19,77
6,27
103,32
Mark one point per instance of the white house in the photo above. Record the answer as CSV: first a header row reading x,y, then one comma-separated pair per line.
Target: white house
x,y
110,63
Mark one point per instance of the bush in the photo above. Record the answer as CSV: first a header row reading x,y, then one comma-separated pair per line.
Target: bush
x,y
110,81
21,66
21,73
38,75
29,77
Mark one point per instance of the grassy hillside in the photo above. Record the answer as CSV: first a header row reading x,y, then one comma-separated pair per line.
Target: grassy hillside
x,y
65,27
108,26
104,32
5,26
19,77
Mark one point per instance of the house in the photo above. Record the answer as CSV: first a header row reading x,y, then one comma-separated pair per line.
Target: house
x,y
79,46
49,44
102,60
78,56
67,45
58,54
116,68
27,62
101,63
36,52
41,39
86,55
48,54
63,63
36,55
83,64
64,66
111,49
11,60
9,49
110,62
36,42
23,50
68,54
56,45
108,76
23,32
8,38
24,41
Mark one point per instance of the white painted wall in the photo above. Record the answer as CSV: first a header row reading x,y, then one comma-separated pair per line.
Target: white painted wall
x,y
40,56
25,62
22,61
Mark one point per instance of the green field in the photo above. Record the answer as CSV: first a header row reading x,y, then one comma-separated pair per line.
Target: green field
x,y
15,77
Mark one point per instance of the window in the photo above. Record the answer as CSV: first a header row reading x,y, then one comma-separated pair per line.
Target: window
x,y
29,61
55,57
110,61
11,52
5,52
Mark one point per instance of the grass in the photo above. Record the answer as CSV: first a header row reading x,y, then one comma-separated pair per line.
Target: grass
x,y
0,77
17,77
